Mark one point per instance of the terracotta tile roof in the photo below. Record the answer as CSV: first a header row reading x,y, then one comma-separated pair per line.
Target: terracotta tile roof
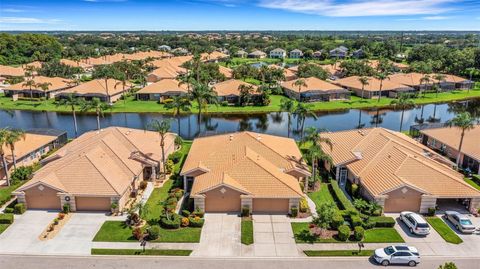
x,y
97,87
25,146
164,86
410,79
385,160
451,137
57,84
313,84
101,163
230,87
110,59
373,84
227,72
213,56
10,71
289,73
80,64
255,164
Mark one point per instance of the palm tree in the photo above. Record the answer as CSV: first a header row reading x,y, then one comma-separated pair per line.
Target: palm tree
x,y
98,106
288,105
44,86
72,102
465,122
381,76
245,94
30,83
472,71
302,112
13,136
300,83
204,95
162,128
439,78
179,104
424,80
404,102
3,141
123,82
364,81
315,152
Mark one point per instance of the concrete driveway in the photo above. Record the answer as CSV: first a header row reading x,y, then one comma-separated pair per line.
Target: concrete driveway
x,y
74,238
273,236
403,230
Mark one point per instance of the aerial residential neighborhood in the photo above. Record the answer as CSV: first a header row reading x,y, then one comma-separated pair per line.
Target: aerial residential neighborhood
x,y
239,134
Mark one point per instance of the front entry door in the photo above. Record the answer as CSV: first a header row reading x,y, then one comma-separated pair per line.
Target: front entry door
x,y
343,176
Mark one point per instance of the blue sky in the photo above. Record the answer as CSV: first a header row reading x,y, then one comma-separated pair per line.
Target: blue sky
x,y
240,15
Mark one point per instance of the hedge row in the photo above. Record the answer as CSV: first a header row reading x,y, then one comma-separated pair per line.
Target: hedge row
x,y
340,197
382,221
6,218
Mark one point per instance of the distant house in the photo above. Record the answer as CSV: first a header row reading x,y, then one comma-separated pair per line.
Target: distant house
x,y
9,71
109,92
161,90
36,144
296,54
288,73
372,90
85,66
314,90
229,90
179,51
317,54
214,56
278,53
257,54
360,53
241,54
448,83
340,52
164,48
227,72
56,85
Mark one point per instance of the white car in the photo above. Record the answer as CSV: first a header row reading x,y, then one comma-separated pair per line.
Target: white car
x,y
461,222
415,223
397,255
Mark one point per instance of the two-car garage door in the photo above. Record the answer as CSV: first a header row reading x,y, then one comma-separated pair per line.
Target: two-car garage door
x,y
42,197
92,203
264,205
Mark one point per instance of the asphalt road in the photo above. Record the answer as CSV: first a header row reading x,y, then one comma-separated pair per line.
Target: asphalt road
x,y
116,262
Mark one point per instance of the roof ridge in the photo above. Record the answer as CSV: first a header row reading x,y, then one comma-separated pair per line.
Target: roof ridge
x,y
100,172
374,157
118,157
261,142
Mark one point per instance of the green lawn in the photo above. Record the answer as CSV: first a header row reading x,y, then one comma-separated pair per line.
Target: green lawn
x,y
444,230
6,192
132,105
247,232
338,253
472,183
154,201
3,227
377,235
148,252
321,196
117,231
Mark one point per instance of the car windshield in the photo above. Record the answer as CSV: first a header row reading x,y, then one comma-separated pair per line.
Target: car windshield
x,y
465,222
389,250
422,225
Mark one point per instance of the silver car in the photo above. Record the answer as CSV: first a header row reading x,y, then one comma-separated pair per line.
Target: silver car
x,y
397,255
415,223
461,222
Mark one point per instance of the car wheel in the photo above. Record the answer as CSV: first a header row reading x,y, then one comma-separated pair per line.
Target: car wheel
x,y
385,263
412,263
411,230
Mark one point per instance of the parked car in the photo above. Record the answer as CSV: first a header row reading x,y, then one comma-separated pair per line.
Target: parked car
x,y
415,223
397,255
461,222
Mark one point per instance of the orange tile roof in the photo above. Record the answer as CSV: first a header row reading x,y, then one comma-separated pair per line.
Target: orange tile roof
x,y
230,87
385,160
164,86
80,64
373,84
25,146
10,71
213,56
227,72
97,87
451,137
57,84
255,164
313,84
102,163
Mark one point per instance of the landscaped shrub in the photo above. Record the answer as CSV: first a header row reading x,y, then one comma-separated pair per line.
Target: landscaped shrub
x,y
169,166
55,221
178,194
294,212
19,208
356,221
21,173
381,222
61,216
196,222
339,196
354,190
198,213
369,224
175,157
358,233
6,218
303,205
137,233
366,207
143,185
9,210
185,222
343,233
337,220
224,103
171,201
431,211
173,222
66,208
245,211
153,232
186,213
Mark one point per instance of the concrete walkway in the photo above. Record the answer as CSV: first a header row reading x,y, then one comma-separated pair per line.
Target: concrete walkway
x,y
312,206
148,191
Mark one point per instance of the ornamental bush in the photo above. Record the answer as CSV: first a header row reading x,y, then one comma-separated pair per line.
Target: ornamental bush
x,y
66,208
153,232
383,222
303,205
185,222
198,213
19,208
343,232
294,212
358,233
186,213
143,185
6,218
356,221
196,222
173,222
337,220
245,211
9,210
175,157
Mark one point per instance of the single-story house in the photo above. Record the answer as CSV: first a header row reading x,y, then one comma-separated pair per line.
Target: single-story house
x,y
317,54
360,53
56,85
288,73
446,140
257,54
372,90
227,72
37,143
452,82
161,90
278,53
448,83
396,171
340,52
229,91
164,48
296,54
228,172
166,72
10,71
96,170
314,90
241,54
85,66
214,56
108,91
179,51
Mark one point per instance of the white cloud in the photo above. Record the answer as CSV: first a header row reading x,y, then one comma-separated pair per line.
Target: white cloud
x,y
26,20
436,18
12,10
360,8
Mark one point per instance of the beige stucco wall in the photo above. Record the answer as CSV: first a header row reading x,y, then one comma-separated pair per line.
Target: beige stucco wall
x,y
403,199
42,197
222,199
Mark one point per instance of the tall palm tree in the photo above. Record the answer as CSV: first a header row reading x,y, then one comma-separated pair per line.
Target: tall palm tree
x,y
161,127
381,76
472,71
97,105
245,94
302,112
204,95
179,104
439,78
424,80
72,102
465,122
123,82
13,136
364,81
315,152
288,105
300,83
3,142
403,102
30,83
44,87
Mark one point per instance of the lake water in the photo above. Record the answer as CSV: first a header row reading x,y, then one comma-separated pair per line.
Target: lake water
x,y
189,127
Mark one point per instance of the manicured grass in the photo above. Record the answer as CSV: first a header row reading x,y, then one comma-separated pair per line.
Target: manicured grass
x,y
247,232
338,253
377,235
322,196
444,230
154,201
3,227
132,105
118,231
6,192
147,252
472,183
